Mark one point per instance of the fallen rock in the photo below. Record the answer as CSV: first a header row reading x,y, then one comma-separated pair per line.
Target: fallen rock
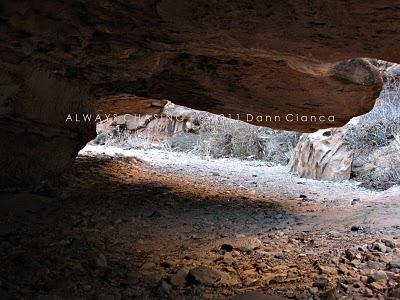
x,y
395,264
228,258
351,253
203,275
321,283
356,228
389,243
379,247
327,270
322,155
100,261
378,277
101,138
148,266
179,278
243,244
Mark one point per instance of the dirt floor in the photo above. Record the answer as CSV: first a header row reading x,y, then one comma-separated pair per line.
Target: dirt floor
x,y
158,225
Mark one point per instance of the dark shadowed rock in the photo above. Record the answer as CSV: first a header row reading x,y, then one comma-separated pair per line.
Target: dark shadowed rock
x,y
203,275
225,57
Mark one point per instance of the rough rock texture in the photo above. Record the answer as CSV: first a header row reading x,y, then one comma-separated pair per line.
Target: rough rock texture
x,y
171,120
36,140
323,156
258,57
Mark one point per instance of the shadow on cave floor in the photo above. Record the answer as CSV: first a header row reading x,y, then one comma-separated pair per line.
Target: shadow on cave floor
x,y
122,228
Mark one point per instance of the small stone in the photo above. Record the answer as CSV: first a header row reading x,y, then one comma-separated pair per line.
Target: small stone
x,y
165,287
378,276
344,287
355,201
203,275
351,253
74,265
368,292
327,270
148,266
100,261
335,234
342,269
179,278
192,256
356,228
364,279
389,243
395,264
280,278
321,283
155,215
228,258
378,285
375,265
379,247
243,244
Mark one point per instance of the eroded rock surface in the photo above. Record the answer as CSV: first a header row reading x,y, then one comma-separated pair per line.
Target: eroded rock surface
x,y
322,155
172,119
230,57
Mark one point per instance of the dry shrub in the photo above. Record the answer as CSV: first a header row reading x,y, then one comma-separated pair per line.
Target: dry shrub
x,y
130,140
219,137
231,138
376,130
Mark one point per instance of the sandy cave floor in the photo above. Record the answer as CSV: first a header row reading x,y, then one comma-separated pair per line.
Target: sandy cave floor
x,y
150,224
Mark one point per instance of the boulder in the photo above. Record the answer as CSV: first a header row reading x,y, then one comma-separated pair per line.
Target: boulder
x,y
322,155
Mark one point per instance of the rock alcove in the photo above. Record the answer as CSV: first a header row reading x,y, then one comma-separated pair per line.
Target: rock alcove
x,y
228,57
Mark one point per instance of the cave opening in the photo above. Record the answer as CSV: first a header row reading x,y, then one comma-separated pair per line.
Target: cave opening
x,y
199,149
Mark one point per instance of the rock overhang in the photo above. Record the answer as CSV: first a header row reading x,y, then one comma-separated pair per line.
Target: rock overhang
x,y
226,57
